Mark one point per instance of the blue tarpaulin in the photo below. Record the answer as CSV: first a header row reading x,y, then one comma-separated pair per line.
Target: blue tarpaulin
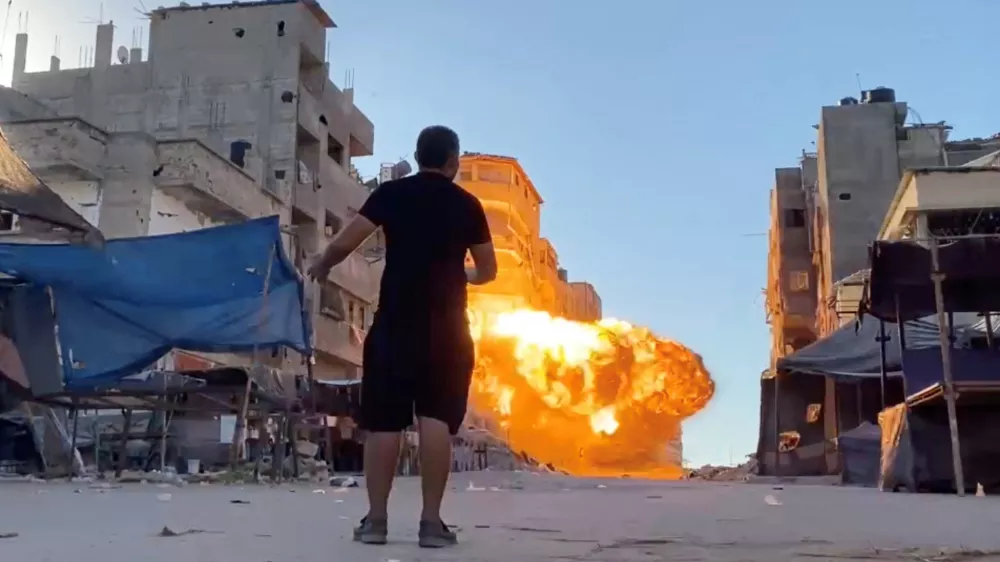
x,y
120,308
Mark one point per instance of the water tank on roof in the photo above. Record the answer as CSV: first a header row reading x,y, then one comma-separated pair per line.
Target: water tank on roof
x,y
880,95
848,101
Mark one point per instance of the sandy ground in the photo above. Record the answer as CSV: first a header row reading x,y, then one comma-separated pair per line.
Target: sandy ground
x,y
502,516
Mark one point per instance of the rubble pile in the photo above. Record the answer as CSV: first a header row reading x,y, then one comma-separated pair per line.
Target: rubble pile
x,y
310,468
739,473
500,456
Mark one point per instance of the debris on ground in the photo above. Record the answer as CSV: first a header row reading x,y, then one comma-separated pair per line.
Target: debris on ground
x,y
168,532
343,482
739,473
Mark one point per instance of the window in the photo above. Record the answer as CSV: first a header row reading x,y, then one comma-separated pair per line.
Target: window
x,y
334,149
465,175
494,174
844,196
795,218
800,281
8,222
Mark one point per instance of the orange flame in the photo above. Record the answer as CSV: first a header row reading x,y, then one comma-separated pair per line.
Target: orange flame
x,y
595,399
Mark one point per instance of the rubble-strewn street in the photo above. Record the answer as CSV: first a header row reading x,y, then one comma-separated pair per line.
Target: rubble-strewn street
x,y
503,516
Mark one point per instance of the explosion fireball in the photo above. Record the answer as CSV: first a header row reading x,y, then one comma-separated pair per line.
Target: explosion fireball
x,y
592,399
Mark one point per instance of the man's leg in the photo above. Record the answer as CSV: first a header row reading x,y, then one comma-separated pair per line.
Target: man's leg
x,y
386,410
381,459
440,409
435,466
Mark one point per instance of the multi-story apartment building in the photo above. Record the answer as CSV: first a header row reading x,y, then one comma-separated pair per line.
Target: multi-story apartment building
x,y
232,116
863,151
513,210
529,272
791,274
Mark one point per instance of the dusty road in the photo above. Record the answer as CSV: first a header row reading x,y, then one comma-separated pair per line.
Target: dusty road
x,y
503,517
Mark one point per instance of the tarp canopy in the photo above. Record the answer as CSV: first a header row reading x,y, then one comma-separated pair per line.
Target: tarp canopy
x,y
853,350
900,285
121,308
22,193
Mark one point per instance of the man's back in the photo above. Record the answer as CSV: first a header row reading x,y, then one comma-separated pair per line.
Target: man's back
x,y
429,224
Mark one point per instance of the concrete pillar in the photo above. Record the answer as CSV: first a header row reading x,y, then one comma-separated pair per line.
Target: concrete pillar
x,y
54,64
135,55
104,44
127,187
20,54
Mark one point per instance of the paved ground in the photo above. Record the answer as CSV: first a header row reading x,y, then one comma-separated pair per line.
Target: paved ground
x,y
503,517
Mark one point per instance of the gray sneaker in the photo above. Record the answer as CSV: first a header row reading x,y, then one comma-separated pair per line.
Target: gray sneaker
x,y
372,531
435,534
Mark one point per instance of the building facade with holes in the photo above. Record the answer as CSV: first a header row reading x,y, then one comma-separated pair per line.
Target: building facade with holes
x,y
529,271
231,115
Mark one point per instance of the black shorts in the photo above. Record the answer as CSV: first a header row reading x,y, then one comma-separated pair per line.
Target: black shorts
x,y
403,378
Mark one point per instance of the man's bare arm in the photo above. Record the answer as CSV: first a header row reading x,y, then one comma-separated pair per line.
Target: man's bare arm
x,y
484,257
345,242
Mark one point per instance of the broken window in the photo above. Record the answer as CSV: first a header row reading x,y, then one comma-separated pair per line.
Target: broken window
x,y
788,441
334,149
812,412
238,152
795,218
844,196
331,302
800,281
281,28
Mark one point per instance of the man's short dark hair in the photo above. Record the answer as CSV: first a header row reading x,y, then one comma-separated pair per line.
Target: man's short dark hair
x,y
435,146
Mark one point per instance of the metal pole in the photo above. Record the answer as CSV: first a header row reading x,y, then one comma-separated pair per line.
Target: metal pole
x,y
239,432
777,428
72,443
949,386
883,375
989,330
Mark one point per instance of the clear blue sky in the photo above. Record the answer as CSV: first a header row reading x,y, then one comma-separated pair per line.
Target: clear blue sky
x,y
651,127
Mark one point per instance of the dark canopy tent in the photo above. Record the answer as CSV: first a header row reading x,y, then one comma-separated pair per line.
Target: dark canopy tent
x,y
950,410
119,309
22,193
848,364
853,350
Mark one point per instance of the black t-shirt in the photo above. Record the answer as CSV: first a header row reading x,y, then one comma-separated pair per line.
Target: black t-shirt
x,y
429,224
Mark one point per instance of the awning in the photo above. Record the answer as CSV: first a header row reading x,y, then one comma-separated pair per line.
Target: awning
x,y
853,350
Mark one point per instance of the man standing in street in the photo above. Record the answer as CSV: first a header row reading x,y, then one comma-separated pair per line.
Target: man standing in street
x,y
419,355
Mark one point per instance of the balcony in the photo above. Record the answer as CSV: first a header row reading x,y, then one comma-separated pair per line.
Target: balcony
x,y
362,134
357,276
310,111
342,194
211,184
307,199
339,339
59,149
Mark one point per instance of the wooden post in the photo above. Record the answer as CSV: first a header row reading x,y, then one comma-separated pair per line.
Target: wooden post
x,y
938,278
72,443
122,451
239,431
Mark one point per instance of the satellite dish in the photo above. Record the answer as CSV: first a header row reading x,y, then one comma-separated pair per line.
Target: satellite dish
x,y
123,55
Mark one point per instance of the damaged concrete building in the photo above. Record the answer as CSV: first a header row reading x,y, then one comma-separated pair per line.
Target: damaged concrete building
x,y
230,115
